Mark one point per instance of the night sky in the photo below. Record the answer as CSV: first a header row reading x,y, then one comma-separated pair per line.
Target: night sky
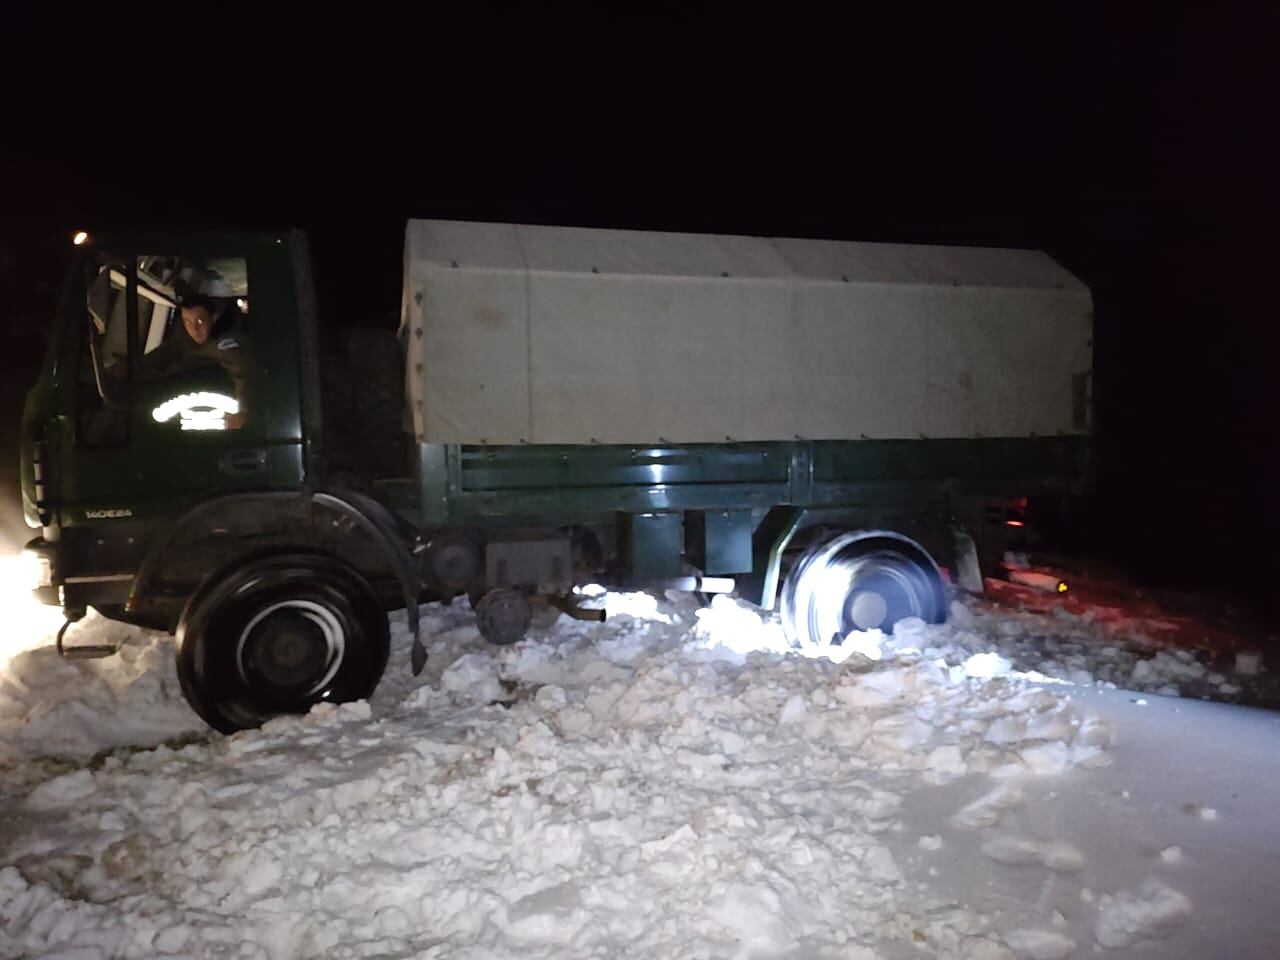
x,y
1136,147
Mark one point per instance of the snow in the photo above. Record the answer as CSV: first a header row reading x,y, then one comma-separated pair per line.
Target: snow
x,y
1151,912
1013,850
473,677
1082,649
1201,811
984,666
1040,944
77,708
1171,855
674,782
1248,664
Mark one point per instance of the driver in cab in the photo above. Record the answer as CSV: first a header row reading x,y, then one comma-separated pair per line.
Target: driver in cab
x,y
210,336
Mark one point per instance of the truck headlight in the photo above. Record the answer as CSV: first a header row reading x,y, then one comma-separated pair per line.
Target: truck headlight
x,y
34,570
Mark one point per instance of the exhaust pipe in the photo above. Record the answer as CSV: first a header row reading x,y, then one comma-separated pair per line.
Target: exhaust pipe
x,y
1038,581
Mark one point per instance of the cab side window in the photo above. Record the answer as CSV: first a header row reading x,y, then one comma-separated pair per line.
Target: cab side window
x,y
166,346
193,335
103,370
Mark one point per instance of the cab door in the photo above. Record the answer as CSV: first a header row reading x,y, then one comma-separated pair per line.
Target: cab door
x,y
161,422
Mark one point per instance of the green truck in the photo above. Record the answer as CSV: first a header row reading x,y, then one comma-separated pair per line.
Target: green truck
x,y
821,427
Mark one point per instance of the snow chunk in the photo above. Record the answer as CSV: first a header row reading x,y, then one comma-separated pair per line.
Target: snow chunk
x,y
1013,851
638,606
475,677
1046,759
1151,912
985,666
1248,664
879,863
173,939
793,711
1061,857
944,764
1006,730
1201,811
872,690
754,916
1057,855
552,915
865,642
68,788
1171,855
987,810
984,948
960,615
732,626
1039,944
930,843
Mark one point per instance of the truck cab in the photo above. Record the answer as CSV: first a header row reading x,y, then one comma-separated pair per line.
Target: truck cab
x,y
132,423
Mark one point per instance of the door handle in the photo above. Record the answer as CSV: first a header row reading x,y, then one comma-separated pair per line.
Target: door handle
x,y
244,461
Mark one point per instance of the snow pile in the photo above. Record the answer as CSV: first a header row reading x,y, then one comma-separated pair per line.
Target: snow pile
x,y
644,787
1074,648
51,707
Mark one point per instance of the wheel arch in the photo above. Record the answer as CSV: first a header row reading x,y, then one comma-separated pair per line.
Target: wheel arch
x,y
784,528
220,532
822,594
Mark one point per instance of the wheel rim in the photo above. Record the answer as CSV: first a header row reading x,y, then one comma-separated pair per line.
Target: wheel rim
x,y
867,609
294,646
859,581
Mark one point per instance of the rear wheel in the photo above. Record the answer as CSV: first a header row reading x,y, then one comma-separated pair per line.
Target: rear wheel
x,y
861,580
279,635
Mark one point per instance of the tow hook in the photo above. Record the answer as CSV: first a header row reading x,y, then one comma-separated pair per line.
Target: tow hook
x,y
86,651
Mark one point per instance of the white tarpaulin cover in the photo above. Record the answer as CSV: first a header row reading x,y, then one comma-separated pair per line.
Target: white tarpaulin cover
x,y
568,335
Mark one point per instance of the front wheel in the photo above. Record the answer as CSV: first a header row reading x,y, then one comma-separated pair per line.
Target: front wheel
x,y
861,580
278,635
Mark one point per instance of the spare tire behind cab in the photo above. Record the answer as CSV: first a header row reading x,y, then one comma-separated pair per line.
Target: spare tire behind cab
x,y
362,403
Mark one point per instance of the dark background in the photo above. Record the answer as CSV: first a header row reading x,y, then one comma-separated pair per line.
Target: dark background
x,y
1137,146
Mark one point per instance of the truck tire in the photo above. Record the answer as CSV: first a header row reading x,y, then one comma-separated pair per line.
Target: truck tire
x,y
859,580
377,402
278,635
